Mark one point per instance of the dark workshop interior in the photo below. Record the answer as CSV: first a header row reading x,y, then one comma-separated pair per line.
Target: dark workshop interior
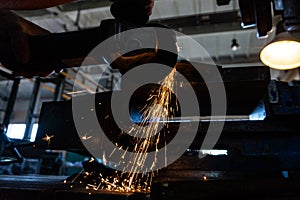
x,y
219,122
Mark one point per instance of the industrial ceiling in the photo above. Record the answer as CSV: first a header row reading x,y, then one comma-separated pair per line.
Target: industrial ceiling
x,y
211,25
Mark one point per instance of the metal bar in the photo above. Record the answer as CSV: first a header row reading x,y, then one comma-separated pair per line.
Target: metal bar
x,y
68,76
59,89
90,79
5,72
32,107
11,102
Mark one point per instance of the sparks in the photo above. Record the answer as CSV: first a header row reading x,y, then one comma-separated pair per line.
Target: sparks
x,y
157,110
47,138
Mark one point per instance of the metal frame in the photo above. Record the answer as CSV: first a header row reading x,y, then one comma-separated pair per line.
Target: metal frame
x,y
5,143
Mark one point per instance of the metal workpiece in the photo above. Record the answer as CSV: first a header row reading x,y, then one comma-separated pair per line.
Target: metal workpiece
x,y
51,187
247,188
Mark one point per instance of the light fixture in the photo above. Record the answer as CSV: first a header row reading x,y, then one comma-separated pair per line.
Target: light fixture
x,y
234,45
283,52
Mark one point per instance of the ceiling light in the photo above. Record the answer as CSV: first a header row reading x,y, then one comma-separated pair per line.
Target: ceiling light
x,y
282,53
234,45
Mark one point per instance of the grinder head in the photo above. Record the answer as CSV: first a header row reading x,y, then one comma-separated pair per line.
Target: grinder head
x,y
148,41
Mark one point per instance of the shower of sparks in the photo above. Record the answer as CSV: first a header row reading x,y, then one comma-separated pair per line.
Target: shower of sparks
x,y
47,138
157,110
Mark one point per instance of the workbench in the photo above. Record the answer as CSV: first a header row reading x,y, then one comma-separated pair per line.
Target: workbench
x,y
48,187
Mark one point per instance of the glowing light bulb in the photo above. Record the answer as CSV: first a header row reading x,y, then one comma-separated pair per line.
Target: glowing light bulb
x,y
283,54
